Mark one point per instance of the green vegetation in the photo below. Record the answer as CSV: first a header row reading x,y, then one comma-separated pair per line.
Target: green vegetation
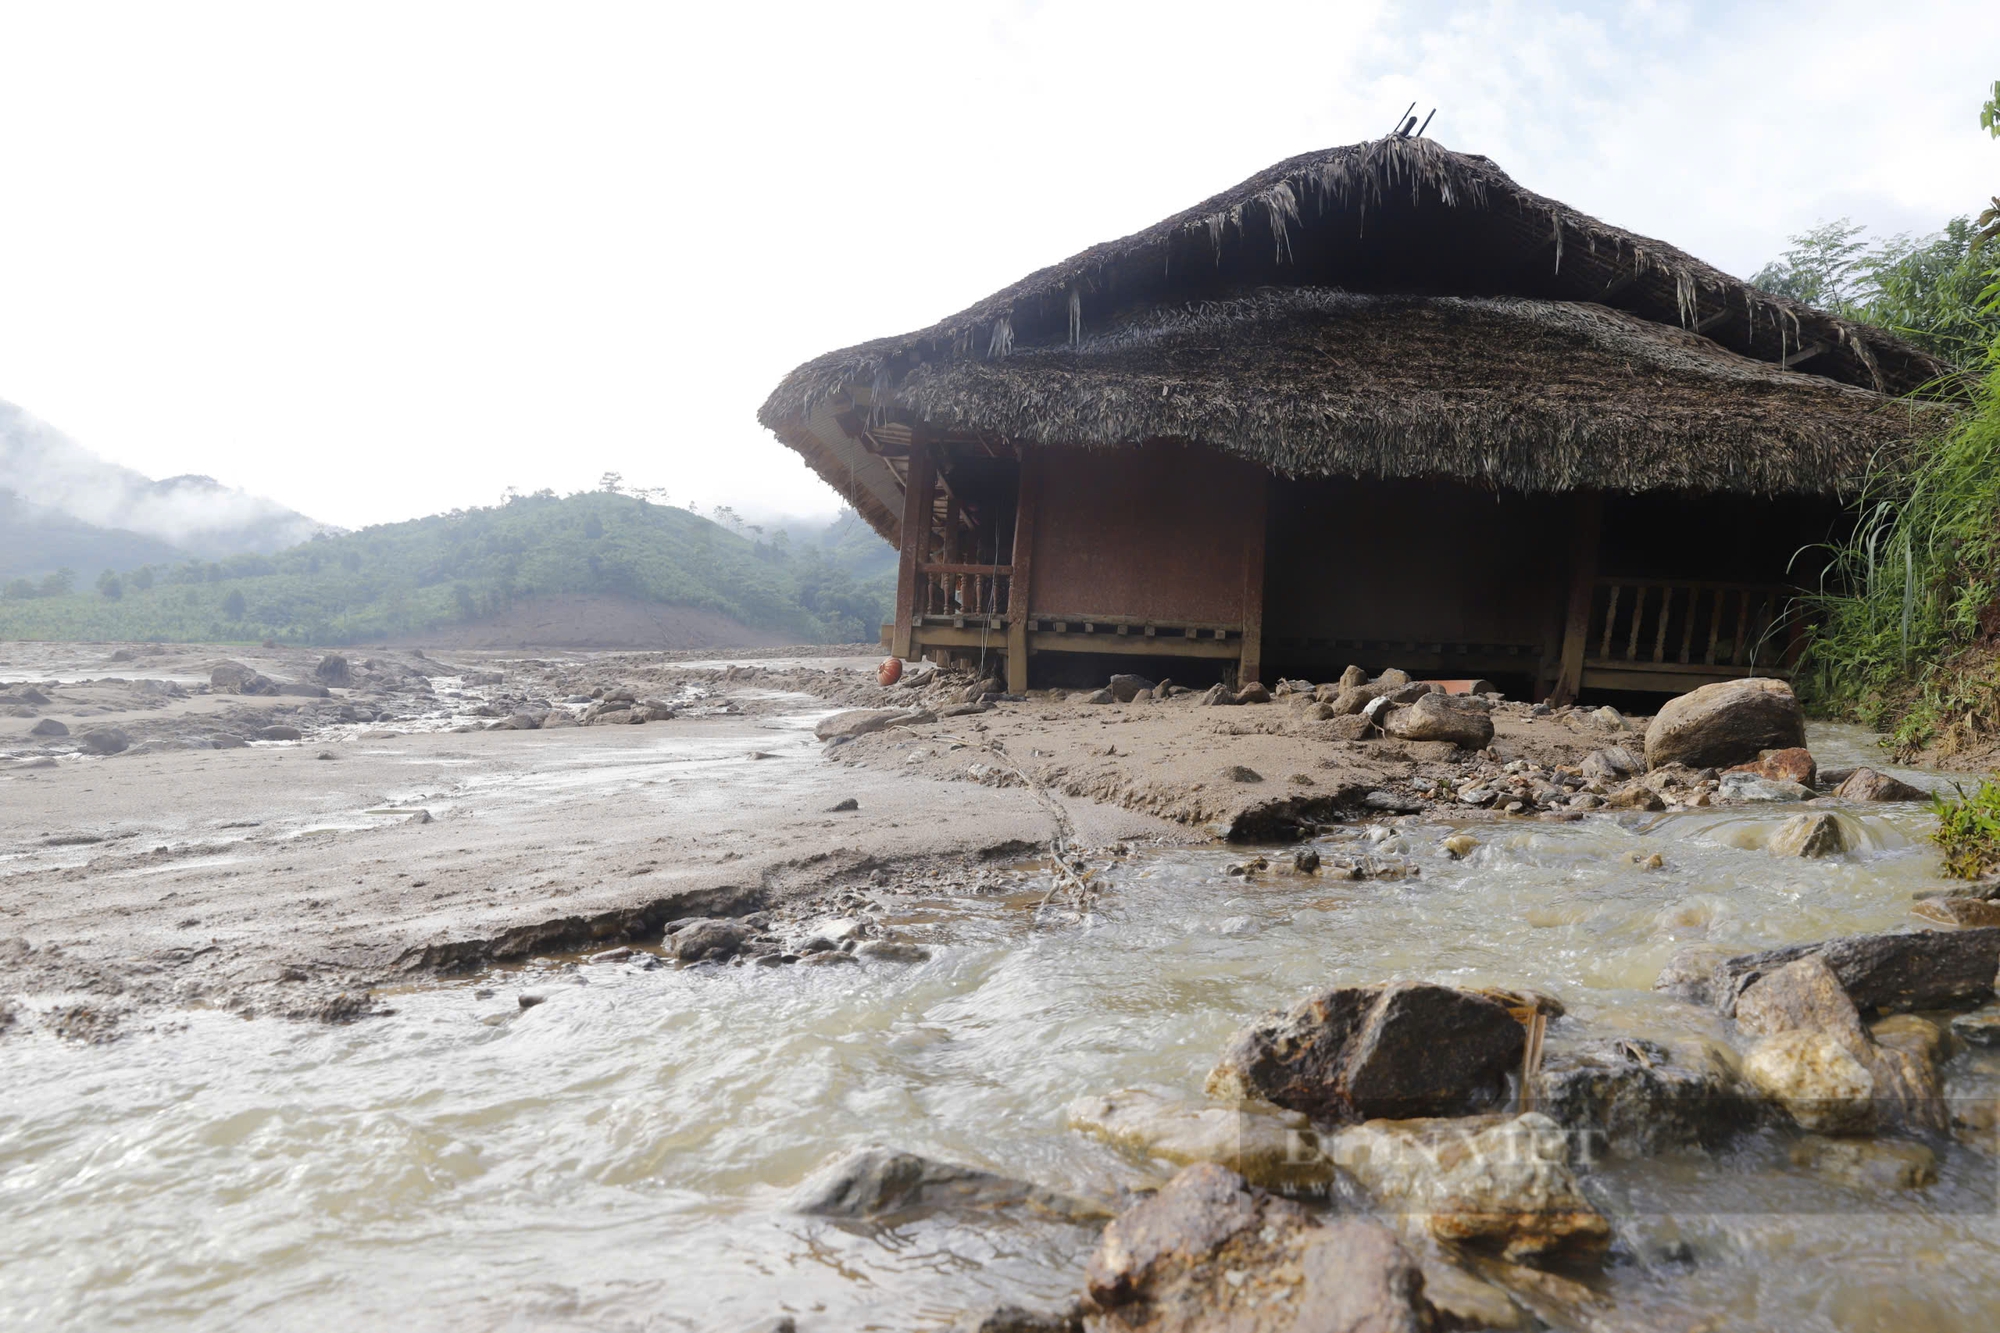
x,y
402,579
1969,831
1908,624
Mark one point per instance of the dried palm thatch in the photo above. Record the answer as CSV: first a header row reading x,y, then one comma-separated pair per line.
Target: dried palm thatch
x,y
1389,309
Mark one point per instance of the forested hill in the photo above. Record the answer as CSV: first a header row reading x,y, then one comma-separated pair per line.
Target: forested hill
x,y
401,579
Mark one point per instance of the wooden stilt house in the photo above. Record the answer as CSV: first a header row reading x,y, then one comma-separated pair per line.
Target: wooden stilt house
x,y
1376,404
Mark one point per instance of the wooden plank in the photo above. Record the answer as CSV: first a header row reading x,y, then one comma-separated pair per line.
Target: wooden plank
x,y
1638,615
1251,662
959,568
1658,680
1806,353
1610,619
1582,587
1049,641
915,537
1020,582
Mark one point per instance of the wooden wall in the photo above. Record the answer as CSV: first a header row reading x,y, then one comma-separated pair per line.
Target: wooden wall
x,y
1159,532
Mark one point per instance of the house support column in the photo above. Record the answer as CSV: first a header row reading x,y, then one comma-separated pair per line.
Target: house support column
x,y
1020,586
1584,535
917,501
1251,662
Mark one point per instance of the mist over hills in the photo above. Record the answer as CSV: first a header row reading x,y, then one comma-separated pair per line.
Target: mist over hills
x,y
63,506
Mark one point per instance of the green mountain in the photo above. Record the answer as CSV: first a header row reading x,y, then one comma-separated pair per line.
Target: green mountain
x,y
400,579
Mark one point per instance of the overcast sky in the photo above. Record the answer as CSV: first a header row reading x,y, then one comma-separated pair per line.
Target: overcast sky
x,y
381,260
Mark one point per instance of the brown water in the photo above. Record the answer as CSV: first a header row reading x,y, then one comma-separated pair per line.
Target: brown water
x,y
618,1157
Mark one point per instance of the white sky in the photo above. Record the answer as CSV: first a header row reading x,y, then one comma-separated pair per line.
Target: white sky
x,y
381,260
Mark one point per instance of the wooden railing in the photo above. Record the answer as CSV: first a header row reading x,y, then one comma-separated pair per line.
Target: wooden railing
x,y
1692,625
963,590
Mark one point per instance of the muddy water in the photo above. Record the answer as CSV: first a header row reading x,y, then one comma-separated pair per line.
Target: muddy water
x,y
618,1156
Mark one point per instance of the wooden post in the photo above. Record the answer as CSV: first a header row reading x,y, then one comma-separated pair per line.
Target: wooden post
x,y
1582,584
1021,585
1251,662
916,544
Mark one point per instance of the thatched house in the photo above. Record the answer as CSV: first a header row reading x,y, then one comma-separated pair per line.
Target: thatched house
x,y
1375,404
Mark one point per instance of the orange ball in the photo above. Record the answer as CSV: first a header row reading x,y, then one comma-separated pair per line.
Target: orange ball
x,y
890,671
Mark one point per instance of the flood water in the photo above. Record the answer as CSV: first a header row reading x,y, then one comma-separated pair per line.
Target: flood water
x,y
619,1157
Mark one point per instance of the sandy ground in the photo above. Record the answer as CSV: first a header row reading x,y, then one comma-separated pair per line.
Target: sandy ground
x,y
392,831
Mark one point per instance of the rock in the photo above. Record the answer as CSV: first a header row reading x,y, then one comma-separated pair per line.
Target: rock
x,y
1492,1183
1125,688
1907,1032
1749,787
524,721
843,806
1955,910
1266,1145
1360,1052
843,726
830,958
1208,1253
48,726
1608,718
1254,693
1091,697
528,999
1390,801
1013,1319
1467,1302
103,740
230,677
1238,773
1729,722
707,939
1352,677
1793,765
1870,1164
1802,996
1216,695
1394,678
1808,836
1635,796
893,951
1865,784
279,732
333,670
1341,727
1981,1028
1459,846
1305,860
1611,765
868,1184
1433,717
1817,1081
1637,1098
297,691
1920,969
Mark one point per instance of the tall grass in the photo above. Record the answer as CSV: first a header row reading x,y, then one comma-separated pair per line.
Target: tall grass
x,y
1916,586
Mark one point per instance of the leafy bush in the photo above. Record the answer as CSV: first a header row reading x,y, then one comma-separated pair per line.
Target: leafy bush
x,y
1968,831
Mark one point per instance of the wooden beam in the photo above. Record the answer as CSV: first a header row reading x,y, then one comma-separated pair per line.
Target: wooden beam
x,y
1707,322
1049,641
1587,524
1806,353
1021,586
916,538
1251,662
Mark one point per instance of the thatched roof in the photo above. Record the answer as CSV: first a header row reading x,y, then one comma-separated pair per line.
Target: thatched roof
x,y
1390,309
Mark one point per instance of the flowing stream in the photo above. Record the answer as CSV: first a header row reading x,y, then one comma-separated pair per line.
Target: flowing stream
x,y
619,1157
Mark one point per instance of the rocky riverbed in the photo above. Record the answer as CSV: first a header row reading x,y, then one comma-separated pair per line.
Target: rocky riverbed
x,y
700,1020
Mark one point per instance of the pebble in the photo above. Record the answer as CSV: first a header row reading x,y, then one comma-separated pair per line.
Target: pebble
x,y
1460,845
528,999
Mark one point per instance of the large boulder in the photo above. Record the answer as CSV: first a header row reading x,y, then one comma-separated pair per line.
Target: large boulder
x,y
1806,996
1442,717
1266,1145
708,939
1363,1052
334,670
1635,1098
1208,1254
1749,787
868,1184
235,678
48,726
1611,765
1495,1183
1817,1081
1729,722
1920,969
